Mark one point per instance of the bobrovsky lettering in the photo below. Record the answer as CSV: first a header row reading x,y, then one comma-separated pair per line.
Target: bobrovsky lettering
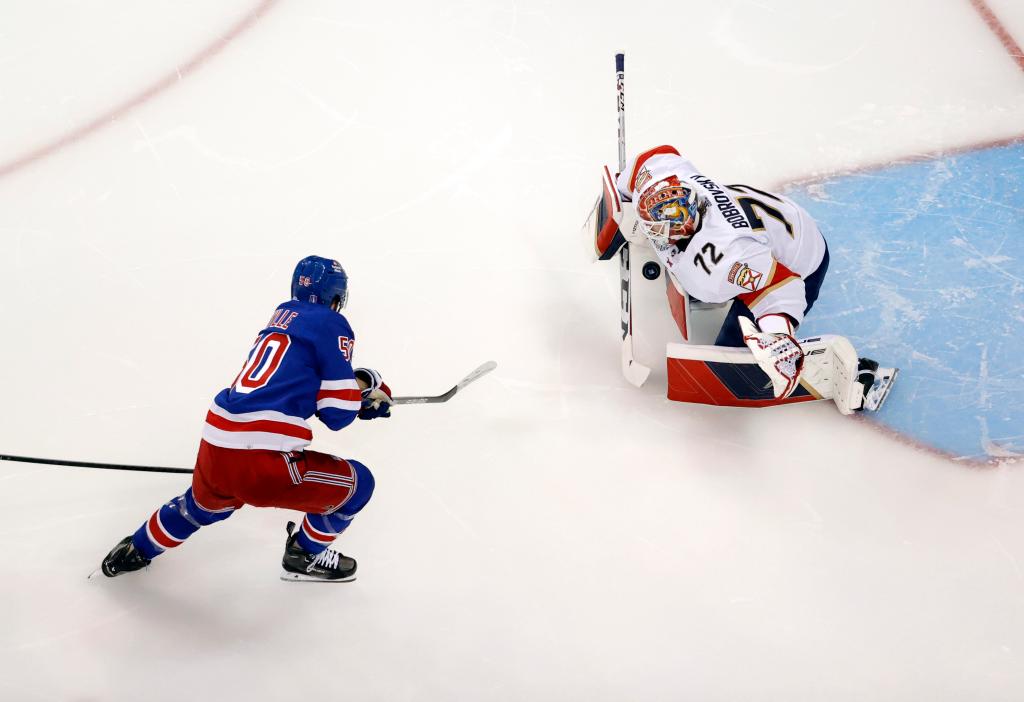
x,y
723,202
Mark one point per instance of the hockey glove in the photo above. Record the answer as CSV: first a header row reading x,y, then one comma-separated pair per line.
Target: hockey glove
x,y
376,395
368,379
778,354
376,404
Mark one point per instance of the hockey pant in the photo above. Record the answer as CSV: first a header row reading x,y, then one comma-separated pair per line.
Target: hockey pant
x,y
330,490
732,335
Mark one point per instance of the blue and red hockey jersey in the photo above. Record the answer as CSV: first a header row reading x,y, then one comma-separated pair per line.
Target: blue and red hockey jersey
x,y
300,365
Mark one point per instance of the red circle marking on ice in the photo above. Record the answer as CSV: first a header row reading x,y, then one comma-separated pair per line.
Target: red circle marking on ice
x,y
175,76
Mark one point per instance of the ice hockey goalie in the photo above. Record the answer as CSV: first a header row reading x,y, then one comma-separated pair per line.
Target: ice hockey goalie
x,y
756,253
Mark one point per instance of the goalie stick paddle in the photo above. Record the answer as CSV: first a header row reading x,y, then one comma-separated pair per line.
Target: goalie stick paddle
x,y
478,373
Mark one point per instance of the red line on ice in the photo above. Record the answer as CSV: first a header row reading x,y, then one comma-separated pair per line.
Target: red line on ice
x,y
1017,54
999,29
942,152
169,80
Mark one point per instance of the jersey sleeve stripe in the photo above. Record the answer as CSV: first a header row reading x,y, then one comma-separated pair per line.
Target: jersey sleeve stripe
x,y
331,403
778,276
347,394
643,157
347,384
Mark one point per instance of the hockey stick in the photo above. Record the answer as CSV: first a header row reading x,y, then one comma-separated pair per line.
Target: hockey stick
x,y
481,371
88,464
635,372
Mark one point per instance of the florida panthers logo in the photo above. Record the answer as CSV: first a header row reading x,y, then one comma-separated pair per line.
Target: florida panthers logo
x,y
744,276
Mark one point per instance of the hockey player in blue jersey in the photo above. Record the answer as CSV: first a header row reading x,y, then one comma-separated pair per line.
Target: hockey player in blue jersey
x,y
252,447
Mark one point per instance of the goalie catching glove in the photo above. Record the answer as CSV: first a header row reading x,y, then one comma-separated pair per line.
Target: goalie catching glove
x,y
775,350
376,396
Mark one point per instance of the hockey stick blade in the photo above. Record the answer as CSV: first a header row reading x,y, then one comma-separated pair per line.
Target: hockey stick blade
x,y
635,372
481,371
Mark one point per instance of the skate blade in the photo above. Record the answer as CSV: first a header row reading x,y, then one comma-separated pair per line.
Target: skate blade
x,y
876,396
290,577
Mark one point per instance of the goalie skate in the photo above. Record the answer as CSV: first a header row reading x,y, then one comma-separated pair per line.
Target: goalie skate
x,y
877,383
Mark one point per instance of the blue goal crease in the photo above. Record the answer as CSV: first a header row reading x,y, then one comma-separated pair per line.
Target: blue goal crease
x,y
927,274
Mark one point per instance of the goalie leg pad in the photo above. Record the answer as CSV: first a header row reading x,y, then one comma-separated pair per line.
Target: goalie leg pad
x,y
713,375
847,392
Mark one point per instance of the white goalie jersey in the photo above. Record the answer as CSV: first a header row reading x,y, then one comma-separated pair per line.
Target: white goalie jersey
x,y
752,245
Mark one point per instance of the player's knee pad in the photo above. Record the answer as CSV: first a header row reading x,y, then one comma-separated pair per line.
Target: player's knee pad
x,y
364,490
196,514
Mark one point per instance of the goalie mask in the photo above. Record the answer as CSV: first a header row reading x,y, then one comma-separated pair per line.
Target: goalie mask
x,y
670,211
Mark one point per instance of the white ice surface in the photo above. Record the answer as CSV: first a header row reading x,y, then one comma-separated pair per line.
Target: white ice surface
x,y
553,533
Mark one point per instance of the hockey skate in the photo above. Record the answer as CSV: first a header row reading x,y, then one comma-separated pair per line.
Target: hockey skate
x,y
877,382
329,566
123,558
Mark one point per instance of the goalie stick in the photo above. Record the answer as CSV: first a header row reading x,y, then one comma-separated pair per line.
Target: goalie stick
x,y
634,371
478,373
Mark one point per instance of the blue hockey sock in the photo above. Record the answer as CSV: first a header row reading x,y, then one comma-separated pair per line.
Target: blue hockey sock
x,y
320,530
174,522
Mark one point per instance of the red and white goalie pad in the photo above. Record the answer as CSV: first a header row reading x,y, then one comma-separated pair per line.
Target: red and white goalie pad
x,y
732,377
